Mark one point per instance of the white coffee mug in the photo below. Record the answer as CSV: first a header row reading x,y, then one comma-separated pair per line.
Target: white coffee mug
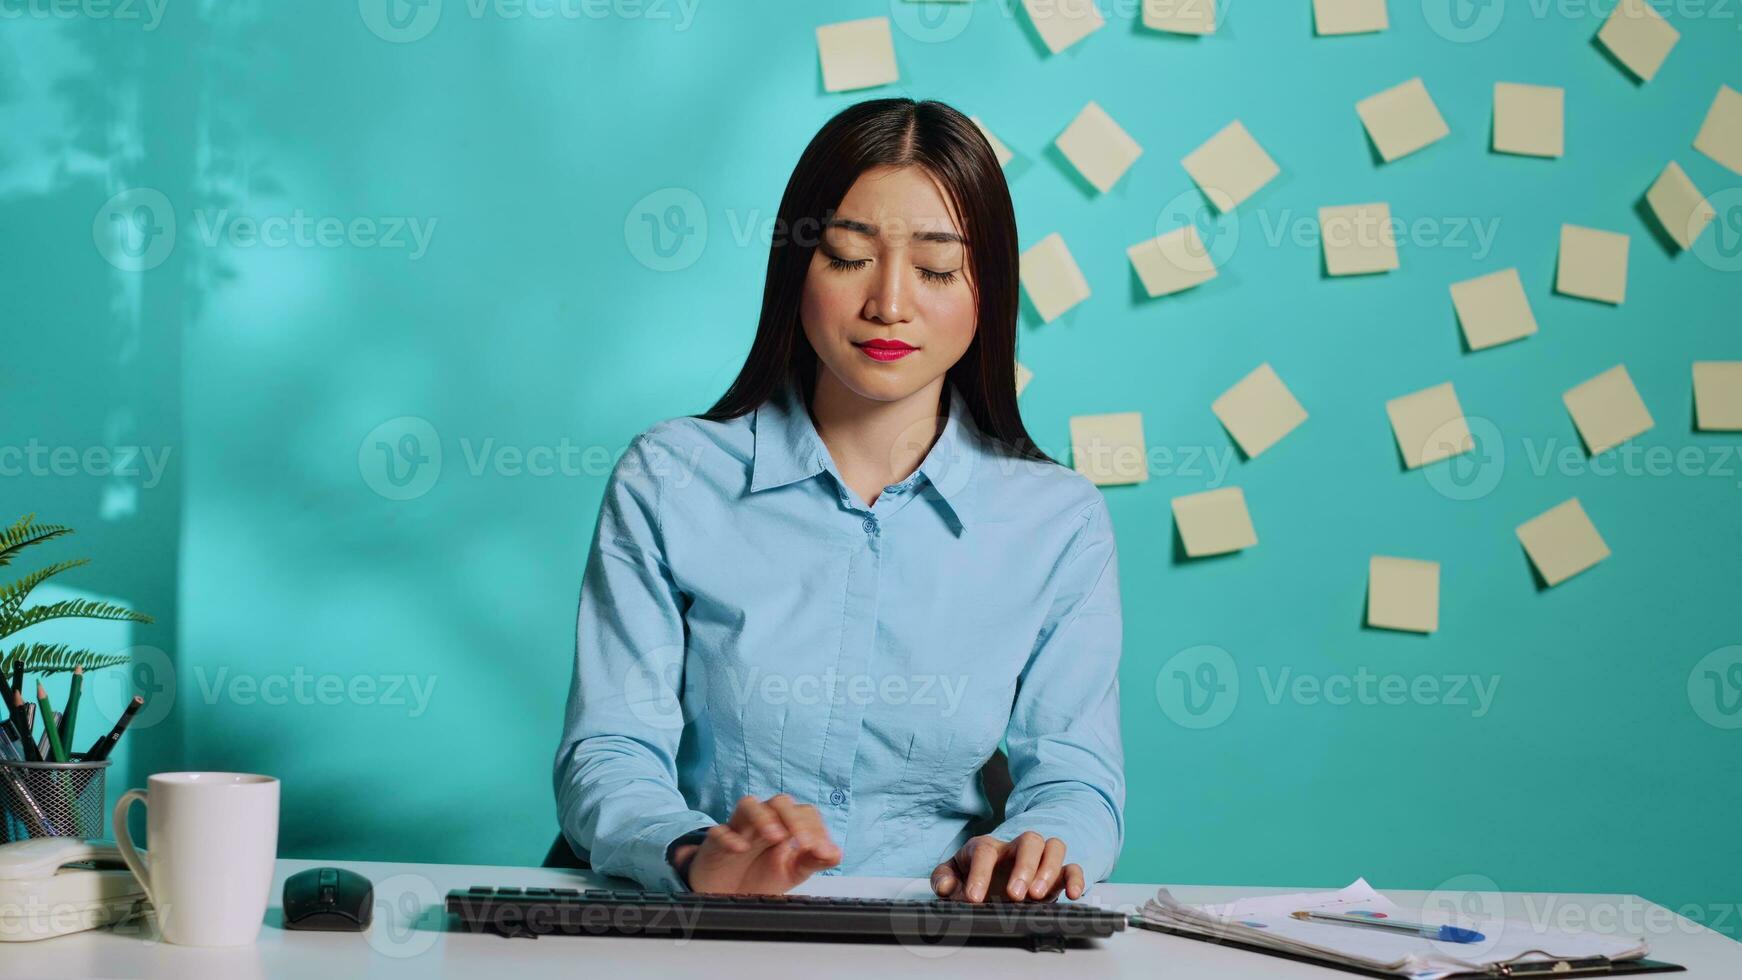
x,y
211,842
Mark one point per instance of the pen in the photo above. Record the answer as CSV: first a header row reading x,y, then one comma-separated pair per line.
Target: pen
x,y
1445,934
21,722
106,744
70,717
48,726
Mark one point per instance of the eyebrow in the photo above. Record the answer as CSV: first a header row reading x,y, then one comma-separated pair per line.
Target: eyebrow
x,y
865,228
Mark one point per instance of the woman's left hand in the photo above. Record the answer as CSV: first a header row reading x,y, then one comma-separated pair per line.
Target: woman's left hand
x,y
1030,868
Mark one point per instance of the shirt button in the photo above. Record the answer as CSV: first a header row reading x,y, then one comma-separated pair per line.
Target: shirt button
x,y
870,525
838,798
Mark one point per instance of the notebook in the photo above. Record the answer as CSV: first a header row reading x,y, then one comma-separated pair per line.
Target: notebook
x,y
1508,948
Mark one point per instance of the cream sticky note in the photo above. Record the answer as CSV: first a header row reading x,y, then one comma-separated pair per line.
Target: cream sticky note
x,y
1230,167
1331,17
1098,148
857,54
1529,119
1109,449
1214,522
1403,594
1173,262
1023,377
1492,309
1607,409
1562,542
999,150
1429,425
1062,23
1358,239
1051,278
1593,264
1718,396
1258,411
1402,120
1180,16
1680,208
1638,37
1721,134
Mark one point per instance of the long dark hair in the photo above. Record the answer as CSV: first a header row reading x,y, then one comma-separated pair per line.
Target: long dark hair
x,y
947,144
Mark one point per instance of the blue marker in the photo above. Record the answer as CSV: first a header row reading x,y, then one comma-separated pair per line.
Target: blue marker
x,y
1444,934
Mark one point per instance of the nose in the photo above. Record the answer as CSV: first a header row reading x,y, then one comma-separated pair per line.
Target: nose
x,y
888,301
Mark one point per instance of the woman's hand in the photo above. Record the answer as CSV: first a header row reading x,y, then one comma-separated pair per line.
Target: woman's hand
x,y
1030,868
765,849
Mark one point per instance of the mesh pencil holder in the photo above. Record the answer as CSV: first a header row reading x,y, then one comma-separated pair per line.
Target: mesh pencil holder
x,y
51,799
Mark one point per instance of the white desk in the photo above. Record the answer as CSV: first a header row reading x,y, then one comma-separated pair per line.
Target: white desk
x,y
408,940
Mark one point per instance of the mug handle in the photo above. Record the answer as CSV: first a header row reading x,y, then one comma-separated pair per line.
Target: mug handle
x,y
136,862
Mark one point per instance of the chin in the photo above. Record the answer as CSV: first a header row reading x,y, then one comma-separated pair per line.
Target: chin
x,y
879,382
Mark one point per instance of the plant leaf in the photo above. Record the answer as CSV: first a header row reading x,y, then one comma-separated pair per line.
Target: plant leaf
x,y
24,533
12,596
69,608
58,658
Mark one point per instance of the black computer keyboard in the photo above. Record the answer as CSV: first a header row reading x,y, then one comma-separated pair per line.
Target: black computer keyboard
x,y
683,915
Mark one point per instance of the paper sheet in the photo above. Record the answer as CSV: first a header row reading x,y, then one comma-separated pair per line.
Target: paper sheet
x,y
1721,133
1562,542
1638,37
1180,16
1230,167
1402,120
1258,411
1493,309
857,54
1607,409
1109,449
1403,594
1098,148
1681,210
1429,425
1062,23
1214,522
1172,262
1332,17
1358,239
1051,278
1593,264
1529,119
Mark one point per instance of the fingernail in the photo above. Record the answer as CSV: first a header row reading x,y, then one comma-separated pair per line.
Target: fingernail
x,y
1016,887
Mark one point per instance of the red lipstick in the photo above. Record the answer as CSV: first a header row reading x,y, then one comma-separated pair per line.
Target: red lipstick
x,y
886,350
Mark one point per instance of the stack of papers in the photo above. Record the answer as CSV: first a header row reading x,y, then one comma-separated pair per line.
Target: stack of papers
x,y
1268,923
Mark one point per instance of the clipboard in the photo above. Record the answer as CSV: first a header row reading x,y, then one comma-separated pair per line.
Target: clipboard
x,y
1592,967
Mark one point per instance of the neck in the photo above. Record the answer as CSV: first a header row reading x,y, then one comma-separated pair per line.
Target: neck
x,y
873,442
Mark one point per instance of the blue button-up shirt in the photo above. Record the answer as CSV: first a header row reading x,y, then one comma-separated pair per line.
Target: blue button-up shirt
x,y
749,626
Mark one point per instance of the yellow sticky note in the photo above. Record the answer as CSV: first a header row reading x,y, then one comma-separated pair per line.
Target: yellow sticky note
x,y
1332,17
1358,239
1593,264
1051,278
1721,134
1062,23
1718,396
1214,522
1109,449
1638,37
857,54
1402,120
1258,411
1529,119
1493,309
1231,166
1679,206
999,150
1098,148
1173,262
1429,425
1562,542
1403,594
1607,409
1023,377
1180,16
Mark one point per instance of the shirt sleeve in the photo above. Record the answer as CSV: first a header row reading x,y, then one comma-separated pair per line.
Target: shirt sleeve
x,y
1066,758
616,767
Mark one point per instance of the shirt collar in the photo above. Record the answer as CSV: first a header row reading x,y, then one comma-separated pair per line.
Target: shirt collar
x,y
788,449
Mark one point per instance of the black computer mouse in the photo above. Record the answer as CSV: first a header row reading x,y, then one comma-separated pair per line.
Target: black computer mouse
x,y
328,899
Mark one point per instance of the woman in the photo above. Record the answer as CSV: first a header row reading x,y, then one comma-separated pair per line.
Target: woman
x,y
810,615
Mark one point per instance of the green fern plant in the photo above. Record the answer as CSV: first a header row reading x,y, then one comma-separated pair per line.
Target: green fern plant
x,y
49,658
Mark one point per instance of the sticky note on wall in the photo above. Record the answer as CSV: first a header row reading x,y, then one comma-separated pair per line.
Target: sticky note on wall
x,y
1681,210
1429,425
1258,411
1721,134
1638,37
1403,594
1607,409
1172,262
1230,167
1718,396
1529,119
1402,120
999,150
1214,522
1492,309
1023,377
1593,264
1562,542
1109,449
1180,16
857,54
1062,23
1099,149
1051,278
1332,17
1358,239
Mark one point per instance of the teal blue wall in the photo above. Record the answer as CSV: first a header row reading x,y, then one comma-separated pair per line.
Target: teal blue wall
x,y
529,321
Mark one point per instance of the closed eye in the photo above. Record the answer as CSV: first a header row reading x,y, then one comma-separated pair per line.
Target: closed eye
x,y
845,264
938,277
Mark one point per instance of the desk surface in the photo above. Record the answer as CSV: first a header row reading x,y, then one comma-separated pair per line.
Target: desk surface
x,y
408,939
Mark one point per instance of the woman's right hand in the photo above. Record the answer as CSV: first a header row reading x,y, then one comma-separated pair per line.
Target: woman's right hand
x,y
765,849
